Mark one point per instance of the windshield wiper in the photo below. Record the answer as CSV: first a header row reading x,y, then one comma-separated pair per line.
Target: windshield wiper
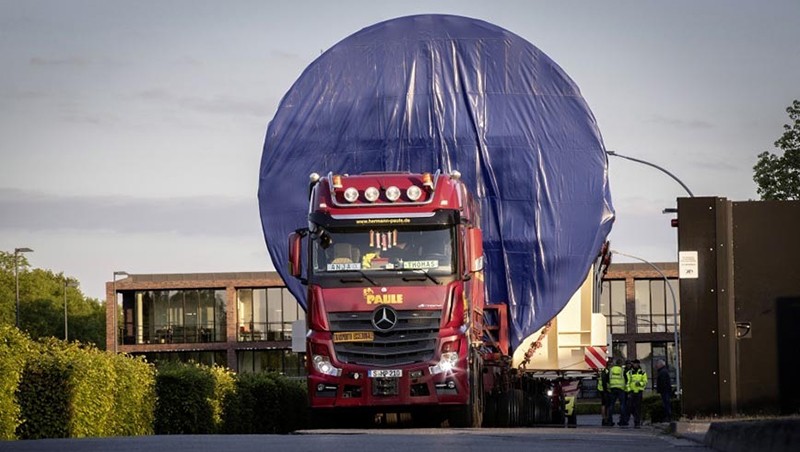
x,y
423,273
364,276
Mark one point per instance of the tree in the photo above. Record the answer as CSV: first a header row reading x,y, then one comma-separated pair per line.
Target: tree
x,y
778,177
41,294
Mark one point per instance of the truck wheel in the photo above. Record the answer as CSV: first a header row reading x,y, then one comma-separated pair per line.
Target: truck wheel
x,y
471,415
510,409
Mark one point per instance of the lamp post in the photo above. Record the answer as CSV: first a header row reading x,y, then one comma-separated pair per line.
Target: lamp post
x,y
17,252
114,309
656,167
674,315
67,284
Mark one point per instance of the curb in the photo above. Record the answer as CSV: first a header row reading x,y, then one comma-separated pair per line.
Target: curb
x,y
772,435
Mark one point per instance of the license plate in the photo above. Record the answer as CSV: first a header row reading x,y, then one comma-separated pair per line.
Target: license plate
x,y
385,373
354,336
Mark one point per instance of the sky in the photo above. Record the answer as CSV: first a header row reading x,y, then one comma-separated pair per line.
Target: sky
x,y
131,132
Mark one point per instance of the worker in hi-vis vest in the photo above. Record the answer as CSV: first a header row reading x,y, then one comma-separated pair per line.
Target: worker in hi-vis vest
x,y
637,382
616,386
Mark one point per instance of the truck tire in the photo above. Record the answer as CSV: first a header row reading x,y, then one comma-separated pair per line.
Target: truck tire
x,y
471,415
510,409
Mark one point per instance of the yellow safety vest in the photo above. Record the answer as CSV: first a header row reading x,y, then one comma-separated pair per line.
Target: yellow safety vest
x,y
600,377
637,381
616,378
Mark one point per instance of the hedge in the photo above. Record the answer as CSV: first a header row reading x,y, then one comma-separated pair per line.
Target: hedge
x,y
14,350
54,389
68,390
266,403
190,398
134,396
652,408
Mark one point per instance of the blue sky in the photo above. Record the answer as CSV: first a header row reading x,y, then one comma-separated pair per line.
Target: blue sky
x,y
131,132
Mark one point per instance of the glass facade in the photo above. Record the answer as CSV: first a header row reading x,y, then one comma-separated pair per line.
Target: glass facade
x,y
173,316
612,305
649,352
266,314
654,306
281,361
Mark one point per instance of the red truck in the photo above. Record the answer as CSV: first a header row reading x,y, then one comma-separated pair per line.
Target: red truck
x,y
397,320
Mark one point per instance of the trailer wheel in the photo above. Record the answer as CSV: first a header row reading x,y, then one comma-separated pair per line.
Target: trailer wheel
x,y
490,411
543,410
510,410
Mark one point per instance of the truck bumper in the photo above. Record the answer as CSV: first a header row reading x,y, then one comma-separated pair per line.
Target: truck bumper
x,y
416,386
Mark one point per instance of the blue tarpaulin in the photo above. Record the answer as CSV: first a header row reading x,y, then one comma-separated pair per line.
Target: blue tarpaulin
x,y
430,92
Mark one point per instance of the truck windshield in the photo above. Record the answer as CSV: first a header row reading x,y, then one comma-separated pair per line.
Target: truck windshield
x,y
376,250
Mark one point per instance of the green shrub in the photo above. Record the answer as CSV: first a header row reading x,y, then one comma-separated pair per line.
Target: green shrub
x,y
68,390
190,398
134,396
15,348
224,390
587,408
652,408
266,403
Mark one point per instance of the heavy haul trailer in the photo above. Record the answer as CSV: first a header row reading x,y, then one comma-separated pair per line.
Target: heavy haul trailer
x,y
397,320
512,237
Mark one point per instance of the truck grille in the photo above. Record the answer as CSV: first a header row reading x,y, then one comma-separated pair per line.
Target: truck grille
x,y
412,340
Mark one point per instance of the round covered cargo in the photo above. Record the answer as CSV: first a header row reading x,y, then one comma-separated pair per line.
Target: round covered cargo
x,y
430,92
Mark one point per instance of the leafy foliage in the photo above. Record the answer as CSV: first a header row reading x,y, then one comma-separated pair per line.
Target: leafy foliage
x,y
653,409
15,348
266,403
134,396
190,398
778,177
71,391
42,304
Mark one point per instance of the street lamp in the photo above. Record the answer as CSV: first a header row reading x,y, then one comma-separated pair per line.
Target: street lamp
x,y
67,284
656,167
674,315
17,252
114,309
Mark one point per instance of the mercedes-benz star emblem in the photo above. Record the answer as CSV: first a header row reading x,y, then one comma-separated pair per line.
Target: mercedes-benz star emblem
x,y
384,318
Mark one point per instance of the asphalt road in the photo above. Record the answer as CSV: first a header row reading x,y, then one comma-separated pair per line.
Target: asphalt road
x,y
584,438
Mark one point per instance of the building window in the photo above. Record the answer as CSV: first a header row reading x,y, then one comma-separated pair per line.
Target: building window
x,y
284,362
174,316
649,352
267,314
619,350
654,308
612,305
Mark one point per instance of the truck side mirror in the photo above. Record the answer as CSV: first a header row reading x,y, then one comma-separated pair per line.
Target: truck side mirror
x,y
295,254
475,257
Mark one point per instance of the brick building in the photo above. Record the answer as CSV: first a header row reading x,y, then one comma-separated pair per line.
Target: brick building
x,y
640,312
243,320
239,320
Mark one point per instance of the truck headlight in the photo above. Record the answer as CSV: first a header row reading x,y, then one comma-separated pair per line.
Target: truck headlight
x,y
393,193
324,366
351,194
372,194
446,364
413,192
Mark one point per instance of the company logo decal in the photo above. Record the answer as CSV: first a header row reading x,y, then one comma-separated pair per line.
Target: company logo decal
x,y
382,298
384,318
